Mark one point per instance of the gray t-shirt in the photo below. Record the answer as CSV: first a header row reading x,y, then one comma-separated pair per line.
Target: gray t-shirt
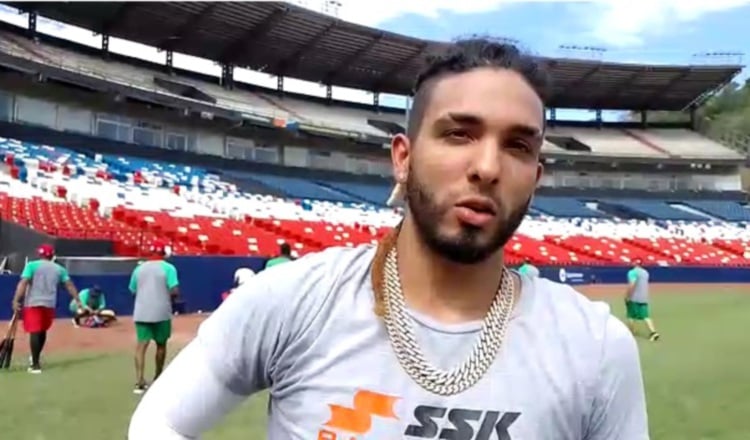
x,y
639,277
44,277
151,283
306,331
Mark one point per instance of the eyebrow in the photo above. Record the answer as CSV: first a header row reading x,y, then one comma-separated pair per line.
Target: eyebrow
x,y
461,118
471,119
526,130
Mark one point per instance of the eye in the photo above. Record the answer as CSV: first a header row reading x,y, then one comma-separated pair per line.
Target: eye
x,y
519,144
457,135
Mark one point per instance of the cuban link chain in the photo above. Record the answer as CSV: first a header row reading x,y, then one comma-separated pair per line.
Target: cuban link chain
x,y
409,354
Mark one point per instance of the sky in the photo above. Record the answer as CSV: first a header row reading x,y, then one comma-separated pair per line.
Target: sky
x,y
631,31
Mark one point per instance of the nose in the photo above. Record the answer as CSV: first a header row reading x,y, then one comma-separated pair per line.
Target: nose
x,y
486,163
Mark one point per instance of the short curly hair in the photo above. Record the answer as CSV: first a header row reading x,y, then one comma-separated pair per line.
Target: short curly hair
x,y
469,54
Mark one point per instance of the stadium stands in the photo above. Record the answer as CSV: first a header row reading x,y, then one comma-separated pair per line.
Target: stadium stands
x,y
652,143
607,142
287,109
132,201
726,210
655,209
564,207
685,143
304,189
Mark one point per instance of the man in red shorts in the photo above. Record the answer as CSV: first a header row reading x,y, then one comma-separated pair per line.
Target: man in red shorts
x,y
38,289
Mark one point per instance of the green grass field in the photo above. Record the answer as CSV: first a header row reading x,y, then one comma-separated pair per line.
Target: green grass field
x,y
697,382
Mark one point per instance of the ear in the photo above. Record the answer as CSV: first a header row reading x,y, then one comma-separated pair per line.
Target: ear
x,y
400,156
539,172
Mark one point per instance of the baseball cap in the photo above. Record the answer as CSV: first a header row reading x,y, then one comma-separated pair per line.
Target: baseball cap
x,y
157,248
46,251
160,248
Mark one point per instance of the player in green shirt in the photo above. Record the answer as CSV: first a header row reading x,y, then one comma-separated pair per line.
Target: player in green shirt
x,y
155,285
97,314
528,269
36,299
636,300
285,255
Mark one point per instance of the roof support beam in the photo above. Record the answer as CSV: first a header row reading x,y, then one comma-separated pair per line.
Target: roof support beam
x,y
184,34
291,62
332,74
398,66
32,24
234,51
105,45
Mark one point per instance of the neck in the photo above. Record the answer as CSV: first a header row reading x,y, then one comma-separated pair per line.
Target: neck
x,y
444,290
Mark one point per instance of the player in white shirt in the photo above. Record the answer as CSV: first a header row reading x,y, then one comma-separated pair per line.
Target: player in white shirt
x,y
426,336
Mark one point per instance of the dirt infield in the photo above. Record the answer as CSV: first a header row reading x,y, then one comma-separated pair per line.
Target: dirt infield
x,y
64,338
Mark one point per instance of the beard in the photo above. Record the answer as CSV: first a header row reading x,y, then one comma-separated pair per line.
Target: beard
x,y
469,246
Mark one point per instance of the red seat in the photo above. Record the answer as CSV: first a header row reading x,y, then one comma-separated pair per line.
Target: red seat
x,y
132,232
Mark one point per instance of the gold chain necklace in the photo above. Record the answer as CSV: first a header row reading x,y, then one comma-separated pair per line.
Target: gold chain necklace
x,y
391,305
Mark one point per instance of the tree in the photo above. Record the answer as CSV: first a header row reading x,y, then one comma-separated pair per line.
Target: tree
x,y
726,110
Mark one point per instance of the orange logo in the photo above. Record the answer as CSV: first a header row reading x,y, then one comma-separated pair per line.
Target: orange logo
x,y
358,419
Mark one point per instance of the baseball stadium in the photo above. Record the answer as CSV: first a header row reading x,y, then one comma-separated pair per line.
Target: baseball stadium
x,y
106,156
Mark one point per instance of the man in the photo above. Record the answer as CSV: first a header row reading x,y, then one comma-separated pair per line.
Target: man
x,y
427,335
636,300
38,290
285,255
155,285
528,269
97,315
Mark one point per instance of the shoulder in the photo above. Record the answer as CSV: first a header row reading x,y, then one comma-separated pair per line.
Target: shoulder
x,y
585,331
332,260
293,297
32,265
311,280
585,323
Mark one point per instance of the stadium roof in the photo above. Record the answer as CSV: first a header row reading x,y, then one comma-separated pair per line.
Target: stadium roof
x,y
287,40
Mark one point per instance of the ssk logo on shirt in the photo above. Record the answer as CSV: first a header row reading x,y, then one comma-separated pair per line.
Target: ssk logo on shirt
x,y
430,422
467,424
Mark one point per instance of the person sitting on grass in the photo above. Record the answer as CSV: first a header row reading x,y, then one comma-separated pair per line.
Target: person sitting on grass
x,y
97,314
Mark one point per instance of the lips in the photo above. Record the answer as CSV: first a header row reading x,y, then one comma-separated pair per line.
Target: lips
x,y
476,211
478,204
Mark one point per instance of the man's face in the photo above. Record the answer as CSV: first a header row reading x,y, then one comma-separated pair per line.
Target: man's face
x,y
471,170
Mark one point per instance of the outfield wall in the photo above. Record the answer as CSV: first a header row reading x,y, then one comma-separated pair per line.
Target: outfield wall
x,y
203,279
618,274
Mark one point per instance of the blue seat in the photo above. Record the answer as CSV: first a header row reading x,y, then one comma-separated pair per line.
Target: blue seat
x,y
726,210
563,207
